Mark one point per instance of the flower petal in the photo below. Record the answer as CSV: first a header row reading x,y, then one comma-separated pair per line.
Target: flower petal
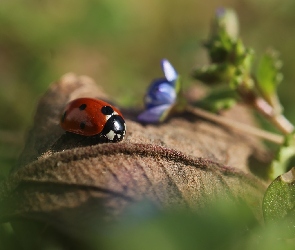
x,y
160,92
155,114
169,72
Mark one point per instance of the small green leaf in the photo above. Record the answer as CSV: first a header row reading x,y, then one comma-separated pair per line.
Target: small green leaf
x,y
223,36
283,156
218,99
227,20
219,46
279,203
217,105
180,103
269,76
244,57
214,73
268,72
178,85
241,79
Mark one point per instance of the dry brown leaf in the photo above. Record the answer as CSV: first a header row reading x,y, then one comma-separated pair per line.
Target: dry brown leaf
x,y
185,162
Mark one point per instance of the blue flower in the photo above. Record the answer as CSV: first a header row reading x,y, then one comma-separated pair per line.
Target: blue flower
x,y
161,95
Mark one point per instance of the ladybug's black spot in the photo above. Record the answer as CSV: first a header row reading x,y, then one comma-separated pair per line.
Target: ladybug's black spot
x,y
82,125
82,106
107,110
63,116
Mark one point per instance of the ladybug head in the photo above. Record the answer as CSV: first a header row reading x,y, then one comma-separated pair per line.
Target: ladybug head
x,y
114,129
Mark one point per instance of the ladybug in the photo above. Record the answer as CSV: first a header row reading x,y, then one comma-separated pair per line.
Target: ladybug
x,y
93,117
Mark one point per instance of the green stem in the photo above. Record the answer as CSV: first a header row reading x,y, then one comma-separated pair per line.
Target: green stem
x,y
275,138
264,108
279,120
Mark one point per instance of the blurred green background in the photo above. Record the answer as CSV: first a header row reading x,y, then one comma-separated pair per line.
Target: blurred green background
x,y
119,44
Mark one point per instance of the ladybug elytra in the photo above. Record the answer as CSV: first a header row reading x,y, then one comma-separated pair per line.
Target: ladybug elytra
x,y
93,117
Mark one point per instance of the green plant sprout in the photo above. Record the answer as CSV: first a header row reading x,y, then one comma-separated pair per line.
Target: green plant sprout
x,y
231,63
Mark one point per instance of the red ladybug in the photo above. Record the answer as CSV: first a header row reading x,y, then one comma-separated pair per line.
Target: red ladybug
x,y
92,117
